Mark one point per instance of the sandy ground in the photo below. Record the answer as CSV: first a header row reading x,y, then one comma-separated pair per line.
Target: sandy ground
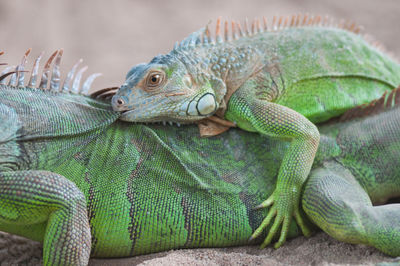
x,y
112,36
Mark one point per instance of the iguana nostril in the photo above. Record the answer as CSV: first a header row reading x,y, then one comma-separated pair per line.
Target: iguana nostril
x,y
120,102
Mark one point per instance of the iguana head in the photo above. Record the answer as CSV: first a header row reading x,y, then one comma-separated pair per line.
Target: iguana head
x,y
166,90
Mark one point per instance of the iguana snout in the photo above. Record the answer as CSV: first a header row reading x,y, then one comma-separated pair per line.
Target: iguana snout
x,y
119,103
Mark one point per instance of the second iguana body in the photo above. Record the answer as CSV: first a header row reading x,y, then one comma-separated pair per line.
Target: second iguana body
x,y
277,80
81,182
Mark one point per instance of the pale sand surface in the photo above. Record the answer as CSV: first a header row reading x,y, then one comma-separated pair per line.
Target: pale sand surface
x,y
112,36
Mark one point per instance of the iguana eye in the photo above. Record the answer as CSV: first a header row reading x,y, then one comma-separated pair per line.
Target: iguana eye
x,y
154,79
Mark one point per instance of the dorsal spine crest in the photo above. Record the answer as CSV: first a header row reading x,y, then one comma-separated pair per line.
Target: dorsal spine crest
x,y
17,75
203,37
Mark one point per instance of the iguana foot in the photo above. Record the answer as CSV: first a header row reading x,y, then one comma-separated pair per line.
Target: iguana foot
x,y
284,205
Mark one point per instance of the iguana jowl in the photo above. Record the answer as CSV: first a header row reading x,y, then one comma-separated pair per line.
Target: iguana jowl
x,y
81,182
276,80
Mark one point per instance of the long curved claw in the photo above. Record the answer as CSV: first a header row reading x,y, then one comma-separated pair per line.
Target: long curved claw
x,y
282,213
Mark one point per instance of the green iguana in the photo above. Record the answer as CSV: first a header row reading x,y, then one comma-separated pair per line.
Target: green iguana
x,y
83,183
276,80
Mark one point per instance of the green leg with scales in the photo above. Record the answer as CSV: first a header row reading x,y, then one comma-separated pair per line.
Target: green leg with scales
x,y
32,200
272,119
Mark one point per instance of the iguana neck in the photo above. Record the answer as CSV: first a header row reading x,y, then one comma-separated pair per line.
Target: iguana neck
x,y
221,62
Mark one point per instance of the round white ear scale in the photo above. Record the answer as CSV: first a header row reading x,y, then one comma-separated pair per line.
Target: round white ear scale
x,y
206,104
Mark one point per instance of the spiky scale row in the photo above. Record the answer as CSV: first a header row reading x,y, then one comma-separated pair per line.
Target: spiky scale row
x,y
278,23
18,76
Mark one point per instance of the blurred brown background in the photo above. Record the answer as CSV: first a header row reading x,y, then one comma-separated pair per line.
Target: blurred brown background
x,y
112,36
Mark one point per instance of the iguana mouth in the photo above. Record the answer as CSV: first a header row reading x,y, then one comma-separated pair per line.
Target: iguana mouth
x,y
155,120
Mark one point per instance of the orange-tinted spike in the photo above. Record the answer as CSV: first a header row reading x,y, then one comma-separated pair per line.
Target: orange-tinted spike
x,y
292,21
28,52
55,76
265,23
240,29
317,20
46,70
357,30
207,32
226,32
1,53
48,63
285,23
304,20
34,72
234,33
21,67
310,20
218,28
352,26
258,25
253,27
246,26
298,17
280,21
273,22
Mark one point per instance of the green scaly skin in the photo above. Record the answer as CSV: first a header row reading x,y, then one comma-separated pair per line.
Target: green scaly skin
x,y
75,178
283,81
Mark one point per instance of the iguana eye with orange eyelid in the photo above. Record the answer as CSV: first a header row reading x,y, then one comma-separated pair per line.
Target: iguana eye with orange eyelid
x,y
154,79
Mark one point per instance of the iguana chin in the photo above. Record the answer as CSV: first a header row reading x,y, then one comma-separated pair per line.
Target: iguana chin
x,y
81,182
277,80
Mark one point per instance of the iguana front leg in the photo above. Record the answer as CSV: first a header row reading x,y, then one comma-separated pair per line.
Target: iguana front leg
x,y
276,120
52,204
